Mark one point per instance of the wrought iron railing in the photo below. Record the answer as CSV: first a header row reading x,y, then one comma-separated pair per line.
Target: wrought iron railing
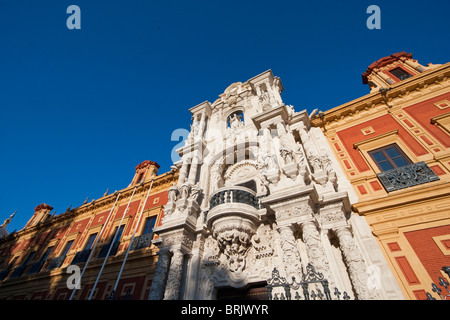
x,y
142,241
105,248
235,195
81,256
407,176
56,262
4,273
36,267
311,277
443,283
17,272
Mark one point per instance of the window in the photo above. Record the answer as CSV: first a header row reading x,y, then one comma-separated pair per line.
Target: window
x,y
389,157
29,258
140,178
119,232
47,253
400,74
149,225
67,247
113,245
91,240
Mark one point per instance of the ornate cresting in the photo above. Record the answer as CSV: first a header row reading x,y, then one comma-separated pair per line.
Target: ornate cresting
x,y
407,176
306,289
444,284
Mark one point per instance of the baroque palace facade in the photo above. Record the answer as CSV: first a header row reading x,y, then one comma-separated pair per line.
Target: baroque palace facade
x,y
266,202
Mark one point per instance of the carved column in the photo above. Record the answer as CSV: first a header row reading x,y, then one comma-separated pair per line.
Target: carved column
x,y
194,168
310,150
355,263
174,277
202,125
316,255
183,172
159,278
291,255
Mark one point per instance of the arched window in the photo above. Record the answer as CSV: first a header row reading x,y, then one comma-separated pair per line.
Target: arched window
x,y
236,119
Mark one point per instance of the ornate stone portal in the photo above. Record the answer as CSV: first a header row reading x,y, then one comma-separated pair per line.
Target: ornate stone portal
x,y
258,188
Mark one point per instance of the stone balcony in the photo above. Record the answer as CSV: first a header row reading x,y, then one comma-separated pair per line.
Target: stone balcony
x,y
233,217
233,201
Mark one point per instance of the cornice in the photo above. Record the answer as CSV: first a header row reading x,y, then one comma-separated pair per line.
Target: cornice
x,y
373,99
414,195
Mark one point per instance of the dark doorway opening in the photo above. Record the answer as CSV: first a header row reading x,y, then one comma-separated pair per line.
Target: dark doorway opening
x,y
254,292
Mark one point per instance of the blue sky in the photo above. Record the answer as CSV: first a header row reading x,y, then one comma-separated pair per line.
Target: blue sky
x,y
79,109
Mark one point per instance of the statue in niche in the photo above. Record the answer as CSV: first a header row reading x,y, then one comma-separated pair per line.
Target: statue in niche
x,y
315,163
326,163
300,155
287,156
216,177
265,100
194,128
195,192
268,162
172,193
290,110
236,120
185,189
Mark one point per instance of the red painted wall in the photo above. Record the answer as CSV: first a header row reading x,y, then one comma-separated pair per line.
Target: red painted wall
x,y
381,125
422,112
427,250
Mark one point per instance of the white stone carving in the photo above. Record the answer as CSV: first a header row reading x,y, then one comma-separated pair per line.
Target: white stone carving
x,y
242,233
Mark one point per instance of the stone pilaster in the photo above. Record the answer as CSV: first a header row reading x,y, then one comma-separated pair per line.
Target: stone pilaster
x,y
314,250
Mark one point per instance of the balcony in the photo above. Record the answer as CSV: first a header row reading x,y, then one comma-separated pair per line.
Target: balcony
x,y
233,217
36,267
407,176
81,256
17,272
234,201
105,248
234,195
142,241
4,273
56,262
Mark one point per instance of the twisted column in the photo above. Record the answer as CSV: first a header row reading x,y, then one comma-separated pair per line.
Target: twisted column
x,y
291,255
172,291
159,278
355,263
